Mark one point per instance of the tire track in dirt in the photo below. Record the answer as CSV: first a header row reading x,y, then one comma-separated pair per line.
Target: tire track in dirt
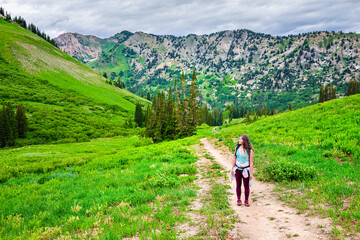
x,y
268,217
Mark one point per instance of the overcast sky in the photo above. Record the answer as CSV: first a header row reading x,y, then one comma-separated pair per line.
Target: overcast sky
x,y
181,17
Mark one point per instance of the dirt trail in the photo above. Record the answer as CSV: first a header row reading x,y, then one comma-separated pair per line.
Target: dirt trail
x,y
268,217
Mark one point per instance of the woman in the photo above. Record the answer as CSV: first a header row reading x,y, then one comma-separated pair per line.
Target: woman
x,y
243,167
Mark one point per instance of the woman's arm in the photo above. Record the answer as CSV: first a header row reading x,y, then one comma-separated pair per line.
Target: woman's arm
x,y
232,168
251,163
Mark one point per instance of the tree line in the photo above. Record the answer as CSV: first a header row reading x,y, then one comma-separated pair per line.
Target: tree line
x,y
327,93
21,21
176,115
353,87
13,125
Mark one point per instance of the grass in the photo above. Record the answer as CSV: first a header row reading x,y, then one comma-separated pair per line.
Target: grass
x,y
108,187
127,186
65,100
324,137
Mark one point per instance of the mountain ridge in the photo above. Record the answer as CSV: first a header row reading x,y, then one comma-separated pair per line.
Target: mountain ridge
x,y
232,66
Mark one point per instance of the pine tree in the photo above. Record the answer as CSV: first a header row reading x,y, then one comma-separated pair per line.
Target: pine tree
x,y
356,87
21,120
290,107
321,95
170,119
242,111
265,111
138,115
353,87
159,118
332,93
193,104
178,111
150,121
148,96
258,111
186,118
326,93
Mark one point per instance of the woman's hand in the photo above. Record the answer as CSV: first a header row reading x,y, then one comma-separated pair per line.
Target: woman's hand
x,y
232,171
251,176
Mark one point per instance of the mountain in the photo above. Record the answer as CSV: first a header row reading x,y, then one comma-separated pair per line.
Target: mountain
x,y
65,100
237,66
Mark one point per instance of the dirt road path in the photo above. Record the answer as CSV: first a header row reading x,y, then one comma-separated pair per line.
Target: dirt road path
x,y
268,217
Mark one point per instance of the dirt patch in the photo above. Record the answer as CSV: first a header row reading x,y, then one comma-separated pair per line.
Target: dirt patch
x,y
268,217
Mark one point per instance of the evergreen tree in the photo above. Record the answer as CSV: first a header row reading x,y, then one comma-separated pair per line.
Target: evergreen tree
x,y
186,118
170,128
105,75
138,115
180,124
21,120
154,105
353,87
265,111
332,93
150,121
148,96
321,95
258,111
326,93
193,104
290,107
160,118
242,111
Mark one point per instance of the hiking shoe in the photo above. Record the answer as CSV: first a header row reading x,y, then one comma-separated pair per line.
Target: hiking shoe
x,y
247,204
239,202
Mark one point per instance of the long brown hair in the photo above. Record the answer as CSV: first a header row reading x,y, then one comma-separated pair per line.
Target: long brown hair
x,y
246,144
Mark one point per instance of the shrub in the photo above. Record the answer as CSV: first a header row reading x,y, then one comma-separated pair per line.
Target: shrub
x,y
284,170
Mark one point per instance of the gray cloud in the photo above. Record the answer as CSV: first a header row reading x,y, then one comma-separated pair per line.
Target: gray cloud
x,y
175,17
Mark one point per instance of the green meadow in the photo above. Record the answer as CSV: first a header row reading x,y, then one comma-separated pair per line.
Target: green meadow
x,y
324,137
107,188
128,186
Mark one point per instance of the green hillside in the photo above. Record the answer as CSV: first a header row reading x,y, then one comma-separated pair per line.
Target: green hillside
x,y
65,100
126,187
325,137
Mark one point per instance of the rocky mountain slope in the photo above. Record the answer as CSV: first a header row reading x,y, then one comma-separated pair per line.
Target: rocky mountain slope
x,y
237,66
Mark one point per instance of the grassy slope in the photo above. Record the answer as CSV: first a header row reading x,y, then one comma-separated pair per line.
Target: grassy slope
x,y
325,136
111,188
124,187
56,88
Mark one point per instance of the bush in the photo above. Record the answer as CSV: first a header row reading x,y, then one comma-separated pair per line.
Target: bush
x,y
284,170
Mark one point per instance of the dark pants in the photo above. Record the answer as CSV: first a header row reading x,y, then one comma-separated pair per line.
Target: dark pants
x,y
238,177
